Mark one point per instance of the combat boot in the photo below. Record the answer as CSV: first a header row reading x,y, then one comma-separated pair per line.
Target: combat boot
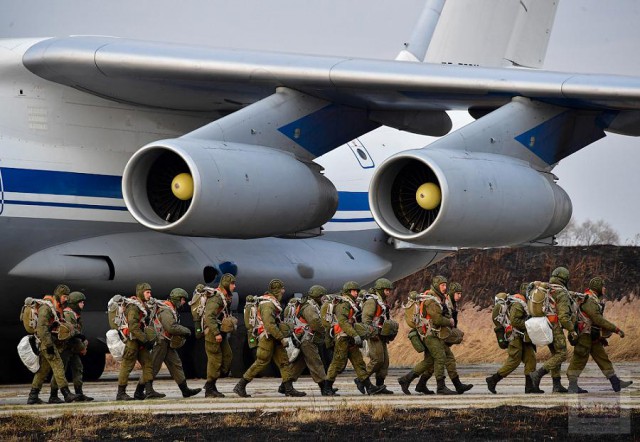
x,y
188,392
33,398
557,386
292,392
536,377
83,397
493,380
421,386
281,388
528,386
442,388
372,389
617,384
574,388
405,381
68,396
329,386
139,393
380,383
54,398
360,385
151,393
460,387
325,390
241,388
122,394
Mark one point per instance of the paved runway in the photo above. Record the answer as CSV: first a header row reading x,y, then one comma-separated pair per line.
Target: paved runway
x,y
265,397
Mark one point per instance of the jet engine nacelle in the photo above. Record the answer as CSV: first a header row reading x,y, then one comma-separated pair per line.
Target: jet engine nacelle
x,y
474,199
211,188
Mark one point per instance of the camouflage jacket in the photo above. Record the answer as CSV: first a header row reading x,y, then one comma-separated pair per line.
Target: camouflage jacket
x,y
436,310
563,308
269,315
346,316
215,309
76,343
592,310
310,312
46,320
134,320
374,311
169,320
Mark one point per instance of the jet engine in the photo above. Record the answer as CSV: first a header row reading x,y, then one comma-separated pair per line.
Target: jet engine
x,y
454,198
211,188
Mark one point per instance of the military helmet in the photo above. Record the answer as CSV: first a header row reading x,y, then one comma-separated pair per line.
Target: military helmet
x,y
275,285
350,285
141,288
597,284
437,280
177,294
523,288
383,283
454,287
61,290
226,281
76,298
317,291
561,273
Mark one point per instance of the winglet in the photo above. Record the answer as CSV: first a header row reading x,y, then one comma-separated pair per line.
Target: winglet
x,y
416,48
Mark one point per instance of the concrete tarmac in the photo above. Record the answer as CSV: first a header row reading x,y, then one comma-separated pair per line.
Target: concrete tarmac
x,y
265,398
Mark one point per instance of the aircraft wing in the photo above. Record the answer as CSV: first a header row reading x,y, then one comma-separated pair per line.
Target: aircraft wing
x,y
196,78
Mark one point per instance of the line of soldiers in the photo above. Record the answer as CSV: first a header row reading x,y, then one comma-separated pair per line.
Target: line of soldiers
x,y
587,329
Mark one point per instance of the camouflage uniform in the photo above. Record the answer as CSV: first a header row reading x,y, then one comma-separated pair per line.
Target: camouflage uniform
x,y
271,343
375,312
348,341
309,315
137,349
219,355
591,324
520,347
73,348
561,320
163,351
50,347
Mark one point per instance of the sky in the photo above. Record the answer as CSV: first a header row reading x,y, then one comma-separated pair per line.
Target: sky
x,y
589,36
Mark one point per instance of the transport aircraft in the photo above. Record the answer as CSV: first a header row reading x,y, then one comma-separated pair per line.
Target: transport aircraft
x,y
123,161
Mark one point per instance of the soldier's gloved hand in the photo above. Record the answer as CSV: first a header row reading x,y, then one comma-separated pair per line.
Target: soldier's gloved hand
x,y
573,338
218,338
620,333
358,341
51,350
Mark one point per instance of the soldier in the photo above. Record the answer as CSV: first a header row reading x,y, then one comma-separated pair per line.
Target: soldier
x,y
49,317
173,336
305,318
375,311
73,349
455,295
271,343
348,341
592,326
137,348
520,347
216,344
559,319
436,315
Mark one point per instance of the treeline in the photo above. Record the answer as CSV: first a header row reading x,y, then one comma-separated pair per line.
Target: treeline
x,y
483,273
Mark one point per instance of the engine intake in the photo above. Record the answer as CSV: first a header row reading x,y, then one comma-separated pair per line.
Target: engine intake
x,y
209,188
448,198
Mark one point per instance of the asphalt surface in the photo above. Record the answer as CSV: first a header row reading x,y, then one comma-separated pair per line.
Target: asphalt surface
x,y
265,398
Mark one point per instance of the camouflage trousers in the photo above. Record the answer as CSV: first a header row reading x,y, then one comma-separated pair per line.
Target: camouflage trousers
x,y
345,350
558,349
219,358
585,346
437,356
162,352
71,359
519,351
135,351
269,348
48,363
378,358
310,357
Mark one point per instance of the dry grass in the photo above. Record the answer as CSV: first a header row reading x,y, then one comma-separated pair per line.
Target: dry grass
x,y
479,345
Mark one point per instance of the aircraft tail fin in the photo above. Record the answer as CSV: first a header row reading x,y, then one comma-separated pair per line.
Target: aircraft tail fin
x,y
416,48
493,33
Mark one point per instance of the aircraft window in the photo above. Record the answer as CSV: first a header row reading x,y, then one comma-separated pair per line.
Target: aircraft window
x,y
350,255
362,154
209,273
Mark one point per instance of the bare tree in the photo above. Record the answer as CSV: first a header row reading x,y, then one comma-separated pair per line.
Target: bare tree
x,y
588,233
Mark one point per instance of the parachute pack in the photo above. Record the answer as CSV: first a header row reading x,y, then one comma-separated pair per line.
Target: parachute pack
x,y
197,305
327,311
29,313
413,308
116,308
292,317
252,319
540,300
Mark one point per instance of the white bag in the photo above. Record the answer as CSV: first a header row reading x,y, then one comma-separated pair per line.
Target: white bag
x,y
539,330
115,344
27,354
